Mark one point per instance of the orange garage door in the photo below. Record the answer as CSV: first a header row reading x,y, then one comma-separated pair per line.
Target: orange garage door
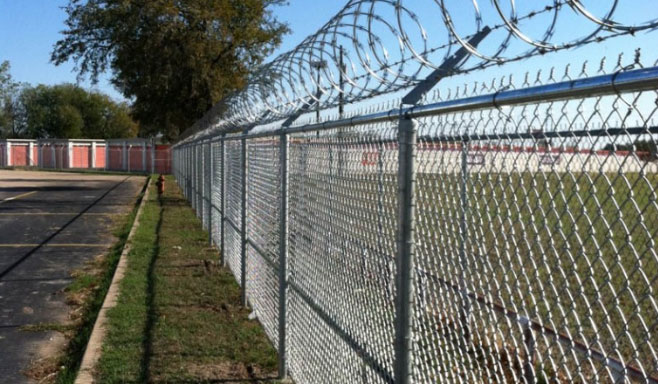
x,y
19,156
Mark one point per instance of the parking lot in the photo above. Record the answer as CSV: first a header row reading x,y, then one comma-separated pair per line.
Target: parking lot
x,y
50,225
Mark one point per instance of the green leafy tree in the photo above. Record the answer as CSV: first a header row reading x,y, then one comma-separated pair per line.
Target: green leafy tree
x,y
648,148
68,111
11,126
174,58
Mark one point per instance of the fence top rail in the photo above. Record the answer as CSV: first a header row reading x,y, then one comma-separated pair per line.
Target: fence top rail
x,y
620,82
129,141
47,141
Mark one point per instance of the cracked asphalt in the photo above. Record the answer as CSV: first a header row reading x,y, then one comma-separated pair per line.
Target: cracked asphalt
x,y
50,225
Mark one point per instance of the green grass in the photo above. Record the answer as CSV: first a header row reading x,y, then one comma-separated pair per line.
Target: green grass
x,y
82,283
178,318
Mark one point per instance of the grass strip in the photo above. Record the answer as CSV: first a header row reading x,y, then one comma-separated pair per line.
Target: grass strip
x,y
178,316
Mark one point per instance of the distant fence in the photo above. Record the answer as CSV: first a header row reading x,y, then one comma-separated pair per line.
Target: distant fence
x,y
132,155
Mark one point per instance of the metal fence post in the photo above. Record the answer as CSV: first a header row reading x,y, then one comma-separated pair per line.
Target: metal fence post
x,y
283,257
195,197
124,156
144,168
243,221
204,184
200,157
184,170
152,155
196,179
405,251
222,219
199,180
188,173
211,176
192,175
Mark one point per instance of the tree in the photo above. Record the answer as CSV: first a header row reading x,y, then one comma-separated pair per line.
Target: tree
x,y
647,148
68,111
10,108
174,58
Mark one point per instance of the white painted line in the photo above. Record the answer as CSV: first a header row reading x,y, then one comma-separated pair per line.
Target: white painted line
x,y
17,197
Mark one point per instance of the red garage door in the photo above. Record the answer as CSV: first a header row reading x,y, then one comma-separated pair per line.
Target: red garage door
x,y
81,156
100,157
19,156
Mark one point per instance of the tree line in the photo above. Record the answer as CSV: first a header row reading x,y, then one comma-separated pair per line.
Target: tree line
x,y
60,111
173,59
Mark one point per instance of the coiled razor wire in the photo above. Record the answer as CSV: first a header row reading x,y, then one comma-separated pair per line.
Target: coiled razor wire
x,y
374,47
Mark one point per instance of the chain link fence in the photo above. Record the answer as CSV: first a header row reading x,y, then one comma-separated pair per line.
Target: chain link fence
x,y
502,233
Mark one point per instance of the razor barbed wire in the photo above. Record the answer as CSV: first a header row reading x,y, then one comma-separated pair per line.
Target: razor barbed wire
x,y
374,47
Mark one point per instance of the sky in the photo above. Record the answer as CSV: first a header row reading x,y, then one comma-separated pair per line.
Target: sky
x,y
30,28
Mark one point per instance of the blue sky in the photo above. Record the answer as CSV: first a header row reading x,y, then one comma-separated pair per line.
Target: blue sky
x,y
30,28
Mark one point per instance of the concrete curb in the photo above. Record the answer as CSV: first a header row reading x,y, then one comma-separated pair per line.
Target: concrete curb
x,y
95,344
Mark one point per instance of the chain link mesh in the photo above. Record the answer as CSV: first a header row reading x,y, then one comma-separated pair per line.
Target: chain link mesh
x,y
535,239
233,241
217,193
342,247
263,202
536,256
205,185
197,166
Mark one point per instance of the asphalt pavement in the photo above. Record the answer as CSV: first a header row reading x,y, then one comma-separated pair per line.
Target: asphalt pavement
x,y
50,225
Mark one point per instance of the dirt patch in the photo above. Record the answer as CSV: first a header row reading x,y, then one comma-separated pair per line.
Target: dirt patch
x,y
50,353
229,372
45,366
